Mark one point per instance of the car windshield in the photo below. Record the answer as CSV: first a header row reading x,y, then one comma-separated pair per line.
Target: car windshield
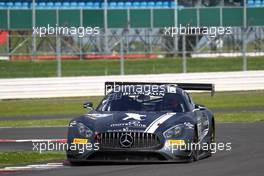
x,y
170,102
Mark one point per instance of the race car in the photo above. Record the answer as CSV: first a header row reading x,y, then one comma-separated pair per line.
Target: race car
x,y
143,122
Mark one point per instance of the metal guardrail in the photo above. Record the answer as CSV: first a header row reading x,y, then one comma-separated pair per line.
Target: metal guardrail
x,y
94,85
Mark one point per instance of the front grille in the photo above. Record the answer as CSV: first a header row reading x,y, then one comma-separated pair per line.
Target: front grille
x,y
111,140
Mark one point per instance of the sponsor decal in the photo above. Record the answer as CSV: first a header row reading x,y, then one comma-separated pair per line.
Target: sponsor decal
x,y
129,124
175,142
126,130
80,141
134,116
188,125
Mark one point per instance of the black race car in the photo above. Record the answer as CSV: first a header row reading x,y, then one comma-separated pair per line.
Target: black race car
x,y
143,122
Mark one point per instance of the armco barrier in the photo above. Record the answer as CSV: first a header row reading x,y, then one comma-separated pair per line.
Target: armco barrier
x,y
94,85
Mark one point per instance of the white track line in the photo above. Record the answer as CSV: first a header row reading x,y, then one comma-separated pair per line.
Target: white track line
x,y
59,126
33,140
31,167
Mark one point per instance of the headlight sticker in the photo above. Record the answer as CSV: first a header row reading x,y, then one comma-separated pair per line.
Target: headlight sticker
x,y
84,131
174,131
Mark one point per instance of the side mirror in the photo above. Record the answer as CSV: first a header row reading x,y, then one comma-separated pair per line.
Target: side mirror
x,y
88,105
200,107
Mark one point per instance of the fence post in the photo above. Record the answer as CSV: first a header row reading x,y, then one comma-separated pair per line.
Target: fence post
x,y
122,67
58,47
106,47
58,56
176,26
184,63
34,49
9,36
244,30
81,38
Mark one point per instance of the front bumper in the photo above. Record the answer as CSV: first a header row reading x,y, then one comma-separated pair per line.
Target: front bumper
x,y
164,154
146,148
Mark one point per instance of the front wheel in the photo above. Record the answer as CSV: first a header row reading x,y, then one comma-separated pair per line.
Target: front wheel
x,y
212,140
195,149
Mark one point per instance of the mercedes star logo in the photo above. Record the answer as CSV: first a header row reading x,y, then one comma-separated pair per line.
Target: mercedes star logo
x,y
126,140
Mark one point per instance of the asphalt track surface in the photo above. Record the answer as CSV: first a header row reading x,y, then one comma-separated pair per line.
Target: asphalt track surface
x,y
246,157
29,133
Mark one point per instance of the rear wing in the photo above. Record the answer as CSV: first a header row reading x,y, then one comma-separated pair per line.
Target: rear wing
x,y
184,86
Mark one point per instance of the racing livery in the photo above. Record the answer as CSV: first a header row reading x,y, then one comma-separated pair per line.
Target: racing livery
x,y
143,122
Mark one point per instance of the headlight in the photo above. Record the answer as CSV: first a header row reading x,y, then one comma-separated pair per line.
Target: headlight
x,y
173,132
84,130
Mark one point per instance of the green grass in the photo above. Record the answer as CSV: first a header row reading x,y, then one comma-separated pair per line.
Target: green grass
x,y
220,117
13,69
240,117
22,158
231,100
52,106
30,123
73,106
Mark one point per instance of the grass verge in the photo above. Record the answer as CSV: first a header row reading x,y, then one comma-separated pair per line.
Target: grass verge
x,y
220,117
231,100
73,106
21,69
31,123
239,117
48,106
22,158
